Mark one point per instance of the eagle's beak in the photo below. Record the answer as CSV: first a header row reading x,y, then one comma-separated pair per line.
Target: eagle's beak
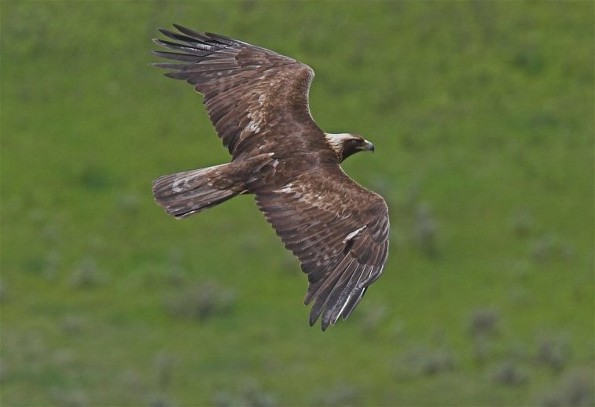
x,y
368,146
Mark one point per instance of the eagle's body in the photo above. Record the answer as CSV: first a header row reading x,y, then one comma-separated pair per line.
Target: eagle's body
x,y
258,102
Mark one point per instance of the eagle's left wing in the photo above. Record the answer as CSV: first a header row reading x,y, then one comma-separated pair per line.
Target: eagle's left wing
x,y
255,97
339,232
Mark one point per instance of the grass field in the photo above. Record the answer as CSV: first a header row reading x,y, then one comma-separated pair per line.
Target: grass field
x,y
482,117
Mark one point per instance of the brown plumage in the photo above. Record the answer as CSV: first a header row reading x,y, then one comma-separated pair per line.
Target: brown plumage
x,y
258,102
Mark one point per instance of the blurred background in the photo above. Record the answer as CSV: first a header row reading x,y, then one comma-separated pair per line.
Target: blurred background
x,y
482,117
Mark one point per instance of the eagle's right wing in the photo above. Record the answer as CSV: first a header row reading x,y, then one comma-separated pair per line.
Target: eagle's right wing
x,y
339,232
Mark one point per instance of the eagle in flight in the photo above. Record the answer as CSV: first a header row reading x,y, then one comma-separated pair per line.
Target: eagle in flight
x,y
258,102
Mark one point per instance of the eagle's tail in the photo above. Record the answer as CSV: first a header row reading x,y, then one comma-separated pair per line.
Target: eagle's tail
x,y
185,193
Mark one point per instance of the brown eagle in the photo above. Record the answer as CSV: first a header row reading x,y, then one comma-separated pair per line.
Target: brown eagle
x,y
258,102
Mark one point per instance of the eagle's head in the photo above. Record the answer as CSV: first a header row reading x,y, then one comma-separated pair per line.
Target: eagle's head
x,y
346,144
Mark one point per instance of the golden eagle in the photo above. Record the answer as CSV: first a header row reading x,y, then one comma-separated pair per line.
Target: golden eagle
x,y
258,101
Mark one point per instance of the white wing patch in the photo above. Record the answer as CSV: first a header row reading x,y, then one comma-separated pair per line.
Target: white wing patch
x,y
287,189
253,127
256,118
254,124
353,234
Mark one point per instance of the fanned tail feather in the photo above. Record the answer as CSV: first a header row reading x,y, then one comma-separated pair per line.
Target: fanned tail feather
x,y
185,193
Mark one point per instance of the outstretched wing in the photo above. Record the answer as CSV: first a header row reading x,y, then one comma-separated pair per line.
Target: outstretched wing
x,y
249,91
339,232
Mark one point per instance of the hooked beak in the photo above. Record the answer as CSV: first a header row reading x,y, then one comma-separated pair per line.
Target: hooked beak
x,y
368,146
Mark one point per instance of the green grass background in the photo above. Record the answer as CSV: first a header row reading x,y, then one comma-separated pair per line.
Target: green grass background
x,y
482,117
